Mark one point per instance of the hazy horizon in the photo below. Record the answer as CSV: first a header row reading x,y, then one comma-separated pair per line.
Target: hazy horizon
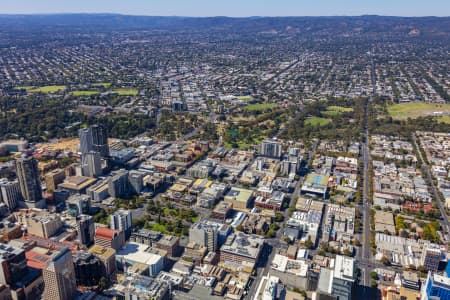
x,y
232,8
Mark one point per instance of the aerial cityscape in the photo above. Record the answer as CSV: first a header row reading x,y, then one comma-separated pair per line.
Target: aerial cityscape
x,y
240,157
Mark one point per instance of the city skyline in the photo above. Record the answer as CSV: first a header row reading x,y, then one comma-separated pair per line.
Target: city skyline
x,y
233,8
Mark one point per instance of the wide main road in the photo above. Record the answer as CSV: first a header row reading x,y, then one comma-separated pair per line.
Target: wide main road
x,y
445,224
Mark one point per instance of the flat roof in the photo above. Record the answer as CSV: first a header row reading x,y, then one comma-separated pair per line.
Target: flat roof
x,y
136,252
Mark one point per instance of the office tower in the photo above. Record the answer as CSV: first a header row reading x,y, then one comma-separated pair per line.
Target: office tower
x,y
91,164
88,268
13,265
78,204
86,229
136,180
94,138
86,143
431,257
118,184
10,193
436,287
270,148
59,277
204,234
30,185
121,219
100,140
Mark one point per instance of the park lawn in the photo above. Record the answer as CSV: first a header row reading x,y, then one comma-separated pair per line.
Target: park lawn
x,y
84,93
126,92
443,119
336,110
414,110
48,89
316,121
339,108
26,88
260,106
106,85
244,98
43,89
158,227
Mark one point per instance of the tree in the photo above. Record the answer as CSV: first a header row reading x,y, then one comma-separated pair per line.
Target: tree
x,y
308,243
373,283
103,284
385,261
374,275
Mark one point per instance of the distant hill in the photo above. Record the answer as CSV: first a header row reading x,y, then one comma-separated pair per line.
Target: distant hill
x,y
273,25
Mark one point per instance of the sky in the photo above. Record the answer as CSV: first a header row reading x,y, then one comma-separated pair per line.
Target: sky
x,y
232,8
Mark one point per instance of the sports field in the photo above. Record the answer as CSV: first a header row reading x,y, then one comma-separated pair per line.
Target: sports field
x,y
126,92
84,93
316,121
43,89
416,109
260,106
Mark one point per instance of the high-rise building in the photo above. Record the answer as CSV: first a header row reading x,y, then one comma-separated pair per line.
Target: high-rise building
x,y
204,234
86,143
271,148
107,257
86,229
30,185
431,258
10,193
91,164
121,219
13,265
136,180
88,268
94,138
59,277
118,184
436,287
78,204
100,140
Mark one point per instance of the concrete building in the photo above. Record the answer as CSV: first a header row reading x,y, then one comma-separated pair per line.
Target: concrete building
x,y
98,192
13,265
121,220
134,253
53,178
338,281
271,148
78,204
107,258
118,184
30,185
436,287
137,287
59,277
39,222
88,268
94,138
238,198
86,229
205,234
10,193
110,238
431,258
240,247
91,164
136,179
76,184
